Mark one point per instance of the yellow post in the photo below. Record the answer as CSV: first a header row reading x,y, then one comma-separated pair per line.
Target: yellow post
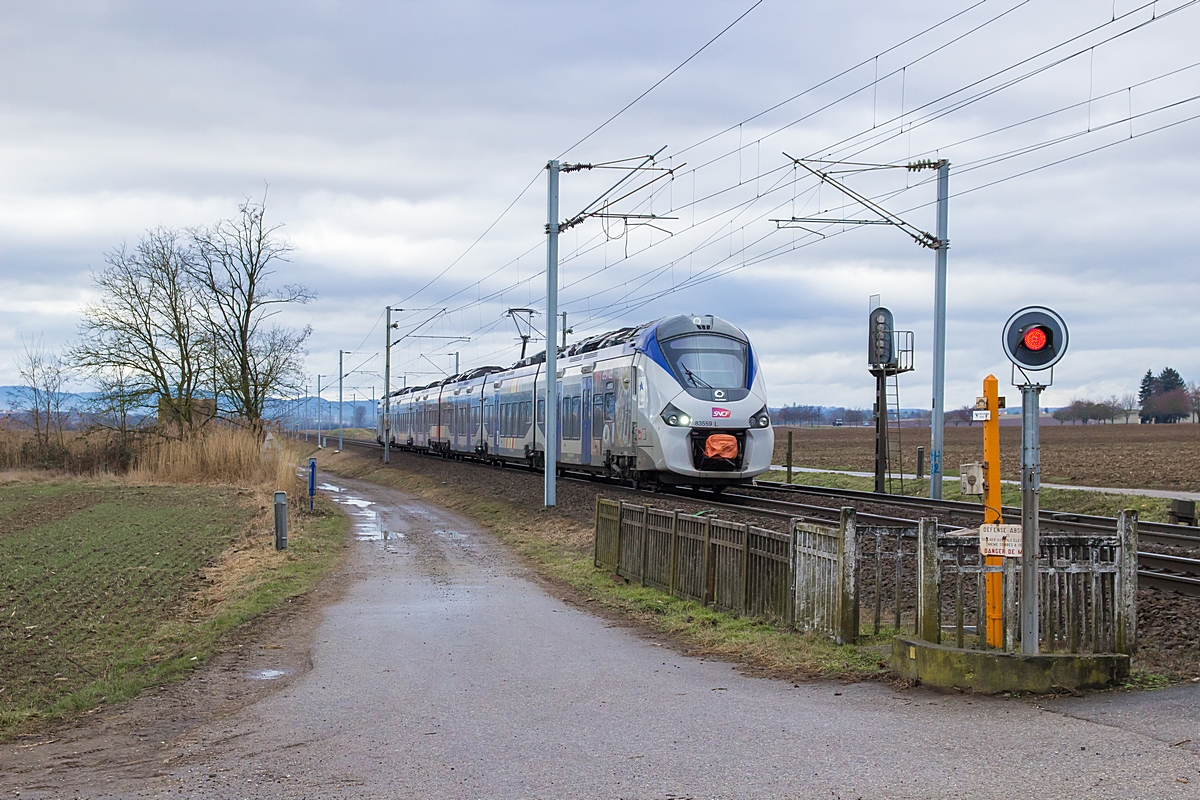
x,y
991,510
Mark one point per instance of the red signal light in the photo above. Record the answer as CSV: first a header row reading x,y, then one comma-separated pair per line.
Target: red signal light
x,y
1035,338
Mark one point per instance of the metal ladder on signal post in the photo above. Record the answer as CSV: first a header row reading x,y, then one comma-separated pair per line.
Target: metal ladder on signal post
x,y
895,453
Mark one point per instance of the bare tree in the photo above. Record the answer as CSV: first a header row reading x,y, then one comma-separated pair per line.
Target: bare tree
x,y
1128,405
40,397
147,328
236,258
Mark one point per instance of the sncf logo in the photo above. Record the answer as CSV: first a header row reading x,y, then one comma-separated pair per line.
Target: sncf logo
x,y
720,413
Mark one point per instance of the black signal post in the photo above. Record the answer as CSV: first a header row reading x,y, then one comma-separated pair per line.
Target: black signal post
x,y
884,359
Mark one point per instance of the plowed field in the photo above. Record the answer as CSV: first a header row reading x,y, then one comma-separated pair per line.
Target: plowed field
x,y
1135,456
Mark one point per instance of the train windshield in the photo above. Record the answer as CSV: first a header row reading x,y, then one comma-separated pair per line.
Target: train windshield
x,y
707,361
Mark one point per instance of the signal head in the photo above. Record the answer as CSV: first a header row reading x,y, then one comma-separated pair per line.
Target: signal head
x,y
881,347
1035,338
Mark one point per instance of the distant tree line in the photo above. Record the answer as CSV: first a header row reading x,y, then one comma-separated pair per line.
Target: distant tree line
x,y
812,416
1166,398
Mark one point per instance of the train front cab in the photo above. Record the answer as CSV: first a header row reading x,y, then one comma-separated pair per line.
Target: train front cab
x,y
702,405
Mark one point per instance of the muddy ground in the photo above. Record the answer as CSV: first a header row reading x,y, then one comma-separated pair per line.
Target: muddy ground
x,y
1134,456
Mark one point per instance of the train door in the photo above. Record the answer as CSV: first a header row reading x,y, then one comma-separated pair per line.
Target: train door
x,y
585,421
604,408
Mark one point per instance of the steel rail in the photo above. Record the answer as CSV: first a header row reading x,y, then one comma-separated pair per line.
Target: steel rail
x,y
1167,572
1176,535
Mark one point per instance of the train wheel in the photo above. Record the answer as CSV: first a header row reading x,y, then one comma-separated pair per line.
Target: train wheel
x,y
718,490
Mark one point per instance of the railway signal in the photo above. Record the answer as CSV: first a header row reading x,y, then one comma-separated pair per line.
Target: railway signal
x,y
889,353
1034,339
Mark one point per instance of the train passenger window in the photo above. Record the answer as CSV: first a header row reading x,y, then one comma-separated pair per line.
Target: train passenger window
x,y
541,417
610,406
597,416
576,418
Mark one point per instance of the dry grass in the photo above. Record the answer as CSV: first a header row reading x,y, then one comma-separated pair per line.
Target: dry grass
x,y
222,456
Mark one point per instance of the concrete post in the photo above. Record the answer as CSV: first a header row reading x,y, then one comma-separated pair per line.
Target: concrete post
x,y
929,623
281,520
848,579
1127,583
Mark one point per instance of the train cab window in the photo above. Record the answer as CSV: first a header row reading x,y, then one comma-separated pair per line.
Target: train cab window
x,y
610,406
708,361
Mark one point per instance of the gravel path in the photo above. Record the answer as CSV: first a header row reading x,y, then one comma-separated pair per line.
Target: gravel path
x,y
444,672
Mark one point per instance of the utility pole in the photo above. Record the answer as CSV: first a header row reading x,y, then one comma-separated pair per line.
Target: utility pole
x,y
551,315
937,419
565,330
940,244
319,442
456,362
307,415
387,390
341,425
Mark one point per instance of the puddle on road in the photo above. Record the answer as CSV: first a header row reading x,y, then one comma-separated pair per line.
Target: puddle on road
x,y
368,524
267,674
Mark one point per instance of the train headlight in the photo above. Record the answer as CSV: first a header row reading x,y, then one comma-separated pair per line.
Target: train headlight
x,y
760,420
675,418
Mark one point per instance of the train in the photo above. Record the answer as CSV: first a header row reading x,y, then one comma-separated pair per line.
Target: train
x,y
679,401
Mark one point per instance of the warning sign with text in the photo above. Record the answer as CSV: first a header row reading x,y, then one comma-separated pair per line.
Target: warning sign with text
x,y
1000,540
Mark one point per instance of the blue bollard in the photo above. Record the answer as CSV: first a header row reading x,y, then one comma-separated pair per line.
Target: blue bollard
x,y
312,481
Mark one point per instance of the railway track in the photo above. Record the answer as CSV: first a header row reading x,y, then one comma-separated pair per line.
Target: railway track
x,y
1167,572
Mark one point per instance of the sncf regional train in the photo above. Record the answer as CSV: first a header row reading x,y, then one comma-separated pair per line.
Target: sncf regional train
x,y
677,401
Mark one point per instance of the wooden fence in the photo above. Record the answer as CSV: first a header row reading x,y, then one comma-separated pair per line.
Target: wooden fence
x,y
1087,590
803,578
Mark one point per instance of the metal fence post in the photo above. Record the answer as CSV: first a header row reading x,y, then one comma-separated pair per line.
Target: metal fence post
x,y
596,538
645,542
1012,577
792,555
620,535
848,579
709,572
674,550
1127,581
745,576
928,582
281,520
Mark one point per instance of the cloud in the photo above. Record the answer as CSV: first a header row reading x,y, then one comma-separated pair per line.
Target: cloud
x,y
393,135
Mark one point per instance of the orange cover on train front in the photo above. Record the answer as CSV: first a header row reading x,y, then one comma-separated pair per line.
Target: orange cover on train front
x,y
720,445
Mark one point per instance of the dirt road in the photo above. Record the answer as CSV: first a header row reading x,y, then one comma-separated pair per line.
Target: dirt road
x,y
442,670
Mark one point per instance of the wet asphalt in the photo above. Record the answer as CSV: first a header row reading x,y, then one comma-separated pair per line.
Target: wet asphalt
x,y
444,672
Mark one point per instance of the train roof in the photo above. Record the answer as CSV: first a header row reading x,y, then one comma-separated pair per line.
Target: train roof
x,y
663,328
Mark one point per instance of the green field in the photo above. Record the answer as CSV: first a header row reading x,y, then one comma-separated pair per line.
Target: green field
x,y
102,585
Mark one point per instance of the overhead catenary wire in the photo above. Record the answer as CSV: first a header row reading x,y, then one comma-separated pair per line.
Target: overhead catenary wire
x,y
960,168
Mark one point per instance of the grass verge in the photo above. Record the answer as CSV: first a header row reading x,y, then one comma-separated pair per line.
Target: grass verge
x,y
1070,501
560,550
107,588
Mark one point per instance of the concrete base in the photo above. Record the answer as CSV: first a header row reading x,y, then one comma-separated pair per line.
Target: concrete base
x,y
989,672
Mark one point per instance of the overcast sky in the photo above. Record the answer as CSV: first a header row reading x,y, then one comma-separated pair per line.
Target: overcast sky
x,y
392,135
